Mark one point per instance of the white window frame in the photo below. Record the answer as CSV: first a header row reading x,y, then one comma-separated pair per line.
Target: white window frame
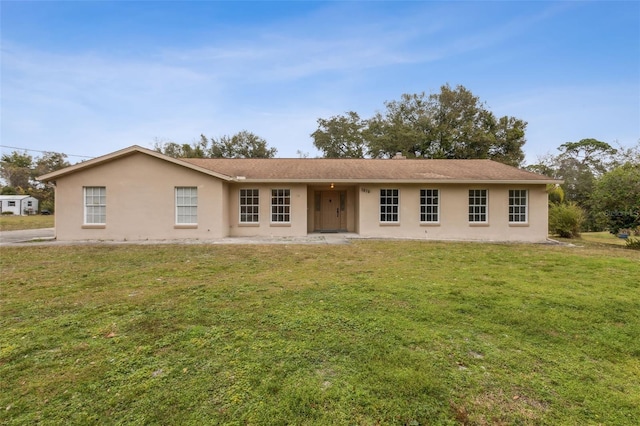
x,y
95,205
249,205
478,206
518,206
280,205
427,208
389,211
186,200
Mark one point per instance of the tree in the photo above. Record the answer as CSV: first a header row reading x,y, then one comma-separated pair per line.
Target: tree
x,y
581,165
616,197
243,144
592,154
197,149
49,162
450,124
21,170
341,136
15,169
405,128
509,140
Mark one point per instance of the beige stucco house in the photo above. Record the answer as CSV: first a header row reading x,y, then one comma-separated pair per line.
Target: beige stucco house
x,y
139,194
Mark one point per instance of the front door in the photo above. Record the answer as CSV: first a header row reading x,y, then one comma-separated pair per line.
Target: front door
x,y
332,206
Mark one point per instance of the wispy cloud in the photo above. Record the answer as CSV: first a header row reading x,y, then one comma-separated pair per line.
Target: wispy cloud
x,y
278,76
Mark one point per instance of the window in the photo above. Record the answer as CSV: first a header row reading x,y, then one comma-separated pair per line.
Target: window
x,y
429,205
280,205
478,205
249,205
389,201
95,205
12,203
518,205
187,205
29,203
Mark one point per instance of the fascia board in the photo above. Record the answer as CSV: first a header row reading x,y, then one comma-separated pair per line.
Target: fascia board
x,y
123,153
403,181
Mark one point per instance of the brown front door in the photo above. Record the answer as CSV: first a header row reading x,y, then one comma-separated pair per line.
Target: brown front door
x,y
332,210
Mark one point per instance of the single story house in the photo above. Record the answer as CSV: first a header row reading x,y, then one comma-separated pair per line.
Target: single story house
x,y
140,194
19,205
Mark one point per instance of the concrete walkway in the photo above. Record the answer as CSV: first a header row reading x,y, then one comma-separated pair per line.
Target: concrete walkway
x,y
46,237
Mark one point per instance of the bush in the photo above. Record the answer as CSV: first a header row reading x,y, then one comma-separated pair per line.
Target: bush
x,y
565,220
7,213
633,243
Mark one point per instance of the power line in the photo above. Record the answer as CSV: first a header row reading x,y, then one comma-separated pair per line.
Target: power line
x,y
44,152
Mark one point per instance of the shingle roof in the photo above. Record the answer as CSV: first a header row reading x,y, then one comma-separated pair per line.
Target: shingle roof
x,y
331,170
14,197
325,169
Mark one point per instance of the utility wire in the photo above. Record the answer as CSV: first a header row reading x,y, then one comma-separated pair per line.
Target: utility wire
x,y
44,152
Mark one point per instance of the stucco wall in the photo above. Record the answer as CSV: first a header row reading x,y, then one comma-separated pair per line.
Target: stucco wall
x,y
265,228
140,192
454,222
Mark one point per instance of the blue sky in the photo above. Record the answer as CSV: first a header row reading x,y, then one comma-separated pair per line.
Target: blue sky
x,y
88,78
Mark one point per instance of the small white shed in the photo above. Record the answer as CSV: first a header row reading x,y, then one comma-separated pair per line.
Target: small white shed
x,y
20,205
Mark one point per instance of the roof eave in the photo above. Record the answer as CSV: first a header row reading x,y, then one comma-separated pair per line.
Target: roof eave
x,y
123,153
404,181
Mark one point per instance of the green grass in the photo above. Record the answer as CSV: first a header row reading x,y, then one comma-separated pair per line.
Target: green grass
x,y
15,223
603,238
369,333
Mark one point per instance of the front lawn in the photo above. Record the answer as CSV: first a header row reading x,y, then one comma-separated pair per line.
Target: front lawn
x,y
374,332
15,223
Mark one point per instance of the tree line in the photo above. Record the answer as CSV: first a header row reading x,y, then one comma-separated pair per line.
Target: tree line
x,y
450,124
453,123
601,189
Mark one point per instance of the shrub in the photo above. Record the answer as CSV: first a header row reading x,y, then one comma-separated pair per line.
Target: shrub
x,y
565,220
7,213
633,243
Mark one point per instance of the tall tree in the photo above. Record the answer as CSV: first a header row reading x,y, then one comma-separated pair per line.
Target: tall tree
x,y
450,124
341,136
197,149
405,127
49,162
591,153
616,197
581,164
243,144
21,170
15,169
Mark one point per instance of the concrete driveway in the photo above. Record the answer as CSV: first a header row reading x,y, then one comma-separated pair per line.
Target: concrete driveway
x,y
26,235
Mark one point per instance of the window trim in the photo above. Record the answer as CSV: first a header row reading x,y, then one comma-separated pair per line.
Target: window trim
x,y
178,223
425,205
286,207
396,195
525,205
471,220
256,197
86,205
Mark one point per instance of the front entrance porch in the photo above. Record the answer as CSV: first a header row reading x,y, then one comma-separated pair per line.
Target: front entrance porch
x,y
331,210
